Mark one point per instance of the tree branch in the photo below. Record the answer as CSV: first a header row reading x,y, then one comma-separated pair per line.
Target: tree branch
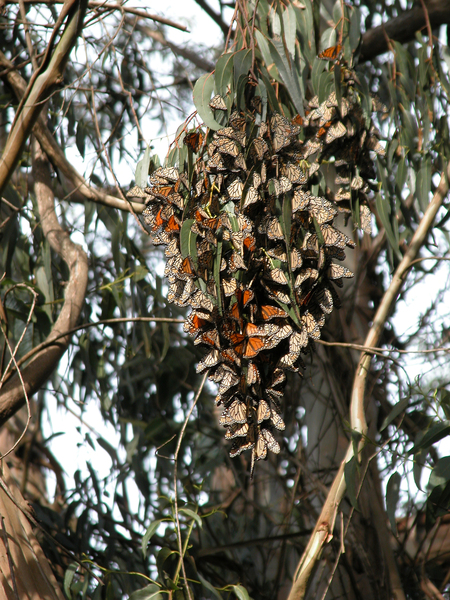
x,y
323,530
216,17
56,155
40,90
403,27
37,372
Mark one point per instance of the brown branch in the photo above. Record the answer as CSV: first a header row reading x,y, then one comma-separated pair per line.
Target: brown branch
x,y
107,6
40,90
190,55
56,155
403,28
37,372
323,530
216,17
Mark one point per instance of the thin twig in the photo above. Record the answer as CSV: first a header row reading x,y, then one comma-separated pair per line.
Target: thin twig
x,y
175,480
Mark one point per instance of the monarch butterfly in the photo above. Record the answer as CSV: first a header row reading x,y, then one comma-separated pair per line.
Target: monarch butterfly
x,y
274,395
333,237
334,132
237,430
239,163
300,121
210,360
271,442
338,271
311,326
308,273
325,300
201,300
240,446
313,169
218,103
278,377
274,231
366,218
253,375
236,262
235,188
189,289
259,147
283,332
256,180
235,413
229,380
285,185
277,275
231,133
296,259
283,132
246,347
297,341
226,145
216,162
229,286
322,210
210,337
276,294
165,173
136,192
250,243
259,451
195,322
175,290
173,224
311,147
294,173
331,53
172,249
300,200
194,140
279,253
251,197
263,411
373,144
237,121
186,269
173,264
244,296
269,312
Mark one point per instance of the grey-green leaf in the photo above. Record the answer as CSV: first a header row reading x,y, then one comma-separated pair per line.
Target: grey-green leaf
x,y
202,95
392,498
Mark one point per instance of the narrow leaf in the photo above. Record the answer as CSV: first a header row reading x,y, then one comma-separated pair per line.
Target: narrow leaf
x,y
148,535
240,592
396,410
141,175
192,515
392,498
433,435
440,475
350,475
185,237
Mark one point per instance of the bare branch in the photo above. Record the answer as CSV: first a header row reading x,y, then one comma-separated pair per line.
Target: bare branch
x,y
323,530
40,368
403,27
56,155
39,91
214,16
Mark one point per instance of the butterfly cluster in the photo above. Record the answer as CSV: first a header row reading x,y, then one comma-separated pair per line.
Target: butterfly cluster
x,y
251,244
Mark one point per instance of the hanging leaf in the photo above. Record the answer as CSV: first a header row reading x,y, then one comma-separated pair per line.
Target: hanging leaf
x,y
202,95
142,169
392,498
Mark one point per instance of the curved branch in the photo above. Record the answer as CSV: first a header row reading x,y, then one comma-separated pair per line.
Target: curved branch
x,y
216,17
323,530
403,27
41,86
37,372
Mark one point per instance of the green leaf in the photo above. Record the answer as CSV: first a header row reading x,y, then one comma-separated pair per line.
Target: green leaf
x,y
141,175
355,29
396,410
162,556
209,587
289,29
384,210
217,261
328,38
418,464
193,515
68,578
423,183
440,475
291,79
186,236
240,592
223,73
392,498
242,64
148,535
430,437
149,592
166,336
351,481
202,96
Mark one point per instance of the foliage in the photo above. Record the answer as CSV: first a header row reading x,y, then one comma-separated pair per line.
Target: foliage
x,y
175,517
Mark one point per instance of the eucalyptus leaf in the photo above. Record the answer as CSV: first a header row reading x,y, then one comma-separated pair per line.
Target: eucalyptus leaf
x,y
392,498
202,96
